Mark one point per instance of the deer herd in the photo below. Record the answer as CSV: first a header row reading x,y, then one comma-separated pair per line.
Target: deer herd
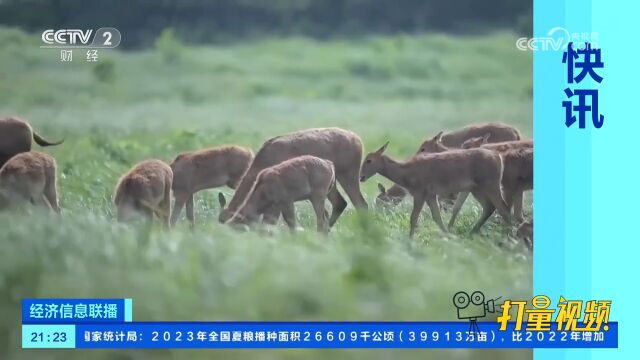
x,y
490,161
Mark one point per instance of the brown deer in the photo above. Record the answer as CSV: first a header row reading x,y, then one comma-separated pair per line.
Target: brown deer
x,y
16,136
342,147
29,177
390,197
442,141
145,190
495,132
279,186
205,169
517,176
478,171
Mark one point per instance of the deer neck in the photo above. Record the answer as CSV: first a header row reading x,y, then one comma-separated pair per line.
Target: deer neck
x,y
243,190
394,170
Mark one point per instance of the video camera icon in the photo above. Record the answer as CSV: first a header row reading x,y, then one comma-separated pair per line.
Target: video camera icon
x,y
473,307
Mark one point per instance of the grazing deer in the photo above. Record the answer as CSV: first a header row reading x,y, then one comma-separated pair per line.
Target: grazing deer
x,y
495,132
342,147
29,176
144,190
390,197
279,186
517,177
478,171
205,169
16,136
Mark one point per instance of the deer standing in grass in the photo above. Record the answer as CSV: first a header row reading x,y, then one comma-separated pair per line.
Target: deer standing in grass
x,y
496,132
342,147
145,190
16,136
29,177
478,171
517,176
205,169
279,186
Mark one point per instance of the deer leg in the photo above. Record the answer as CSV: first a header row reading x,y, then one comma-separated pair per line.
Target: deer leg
x,y
51,194
432,202
289,215
498,202
518,201
181,199
190,211
487,210
418,203
322,225
165,205
338,204
508,199
351,185
462,197
42,201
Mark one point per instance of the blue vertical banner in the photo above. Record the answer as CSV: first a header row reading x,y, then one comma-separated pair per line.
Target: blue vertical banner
x,y
585,184
615,246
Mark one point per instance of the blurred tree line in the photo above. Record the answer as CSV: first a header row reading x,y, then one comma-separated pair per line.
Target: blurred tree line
x,y
202,21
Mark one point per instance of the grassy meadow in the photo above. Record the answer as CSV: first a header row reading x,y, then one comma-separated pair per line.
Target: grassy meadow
x,y
155,103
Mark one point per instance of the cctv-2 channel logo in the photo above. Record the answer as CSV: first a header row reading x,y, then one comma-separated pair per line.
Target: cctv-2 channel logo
x,y
67,38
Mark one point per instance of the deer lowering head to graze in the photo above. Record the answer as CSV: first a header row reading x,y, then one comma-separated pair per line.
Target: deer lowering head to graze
x,y
279,186
205,169
441,142
478,171
392,196
517,177
342,147
29,177
16,136
145,190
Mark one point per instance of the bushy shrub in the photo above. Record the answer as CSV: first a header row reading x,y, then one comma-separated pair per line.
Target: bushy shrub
x,y
169,46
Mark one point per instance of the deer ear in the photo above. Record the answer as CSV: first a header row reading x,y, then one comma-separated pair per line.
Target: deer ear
x,y
382,148
485,138
222,200
382,189
438,137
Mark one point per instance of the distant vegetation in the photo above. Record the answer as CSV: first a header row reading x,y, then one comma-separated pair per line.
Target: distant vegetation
x,y
207,21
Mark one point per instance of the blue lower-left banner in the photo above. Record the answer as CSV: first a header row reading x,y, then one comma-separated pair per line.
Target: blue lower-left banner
x,y
76,311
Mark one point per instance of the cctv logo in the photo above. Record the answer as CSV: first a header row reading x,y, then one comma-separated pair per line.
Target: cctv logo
x,y
66,37
106,37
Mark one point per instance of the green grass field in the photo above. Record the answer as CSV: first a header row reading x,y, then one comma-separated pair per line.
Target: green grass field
x,y
155,103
